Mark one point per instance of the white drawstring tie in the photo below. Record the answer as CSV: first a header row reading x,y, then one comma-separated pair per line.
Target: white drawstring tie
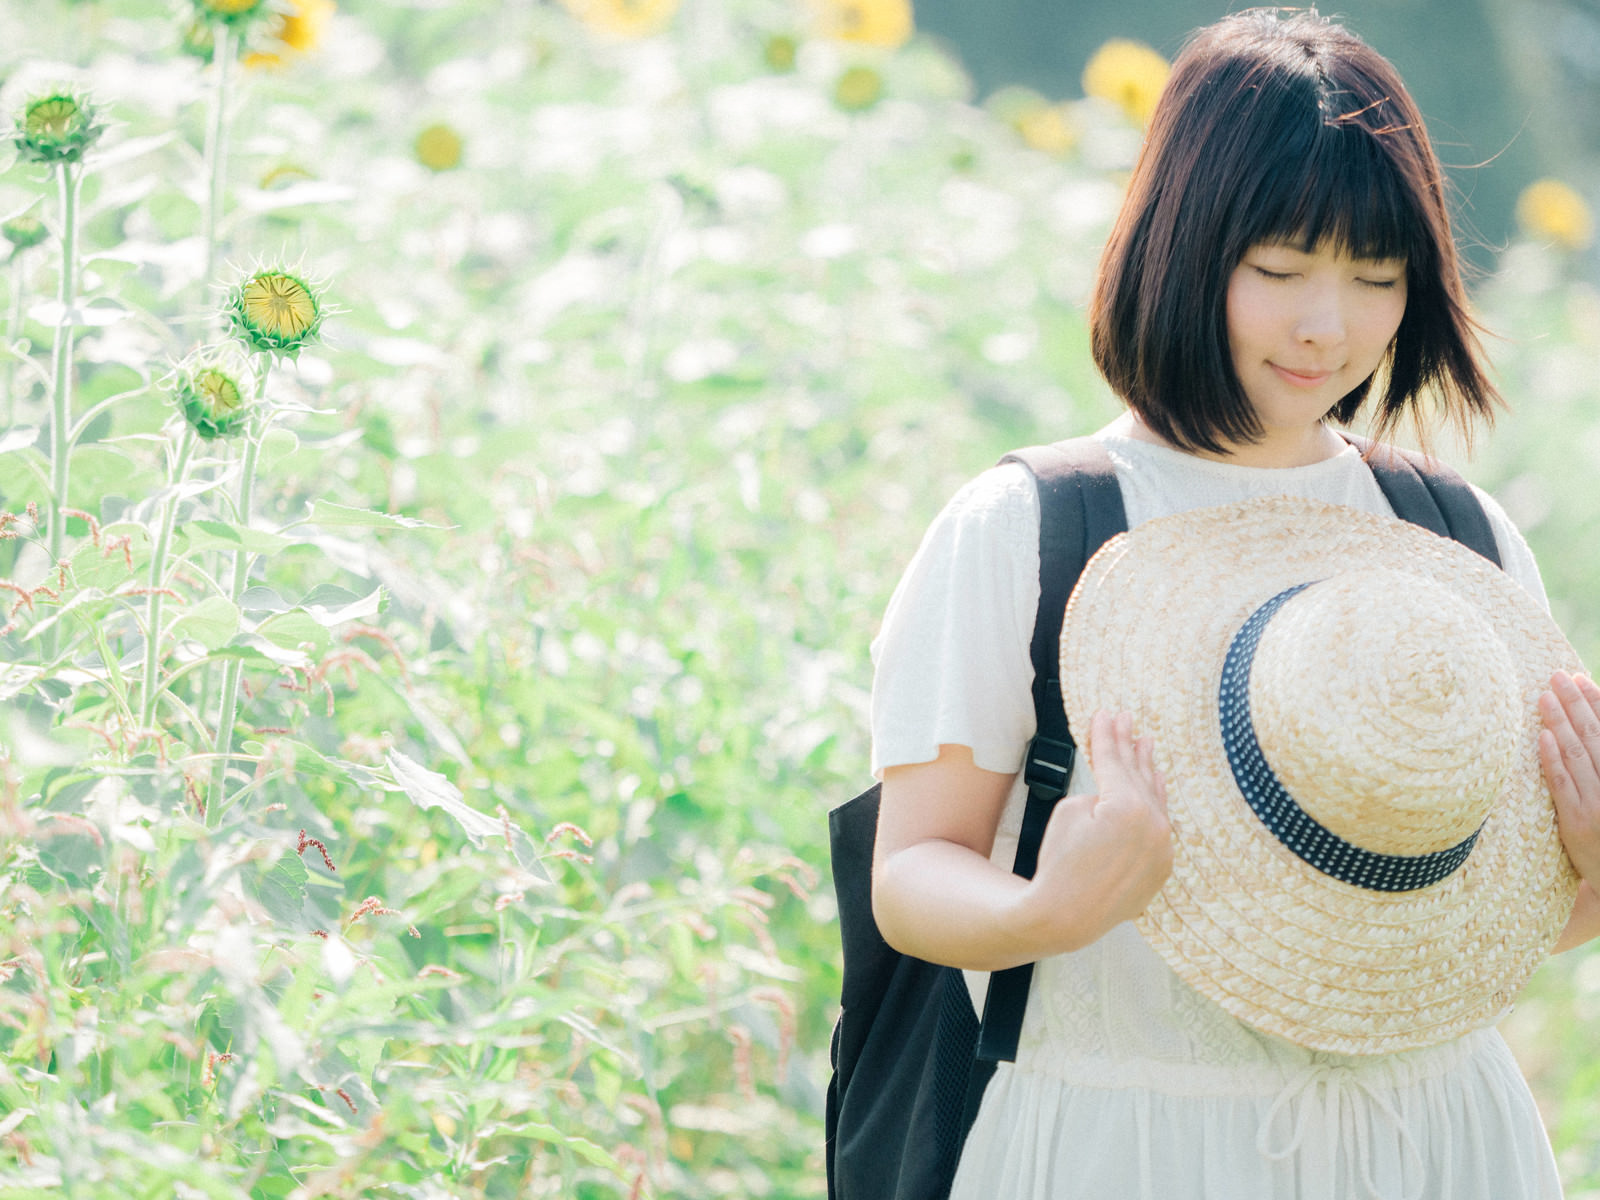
x,y
1326,1092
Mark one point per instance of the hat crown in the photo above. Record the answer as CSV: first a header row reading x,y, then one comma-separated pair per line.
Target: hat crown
x,y
1388,708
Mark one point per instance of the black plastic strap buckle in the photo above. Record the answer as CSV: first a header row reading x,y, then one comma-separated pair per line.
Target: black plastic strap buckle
x,y
1049,766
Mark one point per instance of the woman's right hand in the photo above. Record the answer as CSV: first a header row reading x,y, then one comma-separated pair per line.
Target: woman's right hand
x,y
1104,855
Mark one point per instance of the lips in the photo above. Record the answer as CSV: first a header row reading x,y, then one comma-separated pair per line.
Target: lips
x,y
1302,377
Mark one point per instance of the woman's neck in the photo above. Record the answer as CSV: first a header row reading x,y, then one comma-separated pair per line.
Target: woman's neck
x,y
1286,447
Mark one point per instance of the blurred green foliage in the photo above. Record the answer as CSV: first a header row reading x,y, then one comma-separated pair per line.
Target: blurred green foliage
x,y
565,551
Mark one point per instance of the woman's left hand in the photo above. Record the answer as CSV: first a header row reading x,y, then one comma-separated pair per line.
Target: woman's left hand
x,y
1569,749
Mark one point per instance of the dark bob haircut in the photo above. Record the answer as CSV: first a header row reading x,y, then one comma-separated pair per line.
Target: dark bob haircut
x,y
1277,127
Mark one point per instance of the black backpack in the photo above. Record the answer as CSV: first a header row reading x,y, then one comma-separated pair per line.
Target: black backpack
x,y
910,1058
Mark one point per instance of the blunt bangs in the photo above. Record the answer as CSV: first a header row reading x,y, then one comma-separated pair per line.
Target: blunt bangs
x,y
1283,129
1340,190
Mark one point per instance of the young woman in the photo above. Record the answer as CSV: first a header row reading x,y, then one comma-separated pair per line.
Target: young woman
x,y
1284,240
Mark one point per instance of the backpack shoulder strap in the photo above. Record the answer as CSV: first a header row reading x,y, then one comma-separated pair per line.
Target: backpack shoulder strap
x,y
1428,493
1080,508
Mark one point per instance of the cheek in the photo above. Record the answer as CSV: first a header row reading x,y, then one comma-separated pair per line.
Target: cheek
x,y
1382,320
1248,313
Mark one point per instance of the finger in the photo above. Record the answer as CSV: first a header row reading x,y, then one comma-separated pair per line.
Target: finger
x,y
1157,783
1590,692
1580,698
1105,753
1555,769
1578,754
1125,750
1589,688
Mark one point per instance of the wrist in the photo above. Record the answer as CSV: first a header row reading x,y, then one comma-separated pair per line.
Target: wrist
x,y
1041,921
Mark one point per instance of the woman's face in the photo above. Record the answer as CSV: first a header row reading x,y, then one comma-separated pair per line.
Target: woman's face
x,y
1307,327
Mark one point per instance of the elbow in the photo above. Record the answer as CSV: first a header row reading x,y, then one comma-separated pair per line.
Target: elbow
x,y
887,910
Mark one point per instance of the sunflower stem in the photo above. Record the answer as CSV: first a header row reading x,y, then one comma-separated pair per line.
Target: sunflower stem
x,y
61,374
216,156
149,692
241,574
13,332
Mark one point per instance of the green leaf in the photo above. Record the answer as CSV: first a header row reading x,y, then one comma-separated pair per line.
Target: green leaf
x,y
223,535
331,515
277,444
294,629
429,789
251,648
280,889
212,622
330,606
581,1146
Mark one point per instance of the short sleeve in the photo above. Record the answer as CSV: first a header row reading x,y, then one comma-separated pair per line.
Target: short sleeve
x,y
1515,556
951,663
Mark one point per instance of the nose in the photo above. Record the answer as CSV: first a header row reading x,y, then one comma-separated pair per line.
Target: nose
x,y
1321,319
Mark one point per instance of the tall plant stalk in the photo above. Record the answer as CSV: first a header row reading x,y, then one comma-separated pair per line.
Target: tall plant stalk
x,y
216,154
149,684
241,574
67,177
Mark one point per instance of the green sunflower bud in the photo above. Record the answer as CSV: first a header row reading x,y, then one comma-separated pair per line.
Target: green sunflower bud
x,y
232,12
274,312
56,128
24,233
212,399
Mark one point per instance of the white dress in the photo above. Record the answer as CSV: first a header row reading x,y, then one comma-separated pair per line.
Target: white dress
x,y
1128,1084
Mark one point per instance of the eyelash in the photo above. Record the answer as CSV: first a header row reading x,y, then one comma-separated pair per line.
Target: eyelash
x,y
1382,285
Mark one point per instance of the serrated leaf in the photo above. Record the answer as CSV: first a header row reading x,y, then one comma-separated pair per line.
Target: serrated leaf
x,y
331,515
429,789
280,889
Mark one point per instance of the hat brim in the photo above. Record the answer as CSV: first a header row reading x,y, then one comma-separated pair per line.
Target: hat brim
x,y
1277,943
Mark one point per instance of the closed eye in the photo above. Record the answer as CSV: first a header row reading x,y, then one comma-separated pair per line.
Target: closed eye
x,y
1383,285
1266,274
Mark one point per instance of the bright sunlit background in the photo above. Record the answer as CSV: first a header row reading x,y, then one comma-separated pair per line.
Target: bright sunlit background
x,y
455,456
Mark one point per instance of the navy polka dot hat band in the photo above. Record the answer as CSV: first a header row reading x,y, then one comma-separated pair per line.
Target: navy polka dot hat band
x,y
1365,855
1271,801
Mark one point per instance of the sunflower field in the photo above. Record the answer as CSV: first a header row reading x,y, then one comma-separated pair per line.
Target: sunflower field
x,y
454,458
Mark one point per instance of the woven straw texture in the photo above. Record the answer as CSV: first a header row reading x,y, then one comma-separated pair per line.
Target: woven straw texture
x,y
1396,700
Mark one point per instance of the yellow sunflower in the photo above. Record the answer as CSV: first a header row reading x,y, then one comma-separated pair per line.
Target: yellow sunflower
x,y
858,89
1552,211
624,18
299,30
438,147
1129,74
873,22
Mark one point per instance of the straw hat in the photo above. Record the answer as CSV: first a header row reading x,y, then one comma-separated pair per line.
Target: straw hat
x,y
1343,705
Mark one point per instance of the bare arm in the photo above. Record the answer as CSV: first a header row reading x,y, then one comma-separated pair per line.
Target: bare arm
x,y
937,896
1569,751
